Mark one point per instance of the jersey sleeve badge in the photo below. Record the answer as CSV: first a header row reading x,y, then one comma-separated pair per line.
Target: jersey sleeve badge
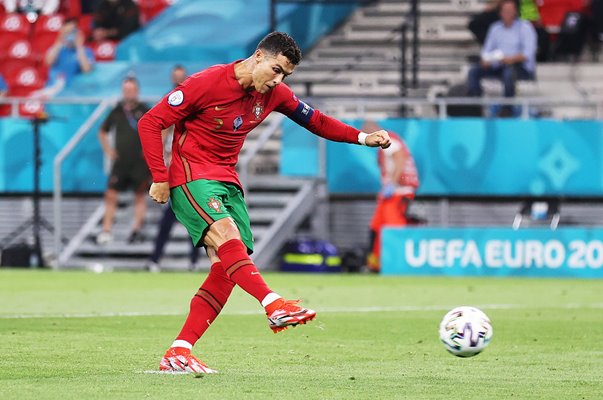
x,y
176,98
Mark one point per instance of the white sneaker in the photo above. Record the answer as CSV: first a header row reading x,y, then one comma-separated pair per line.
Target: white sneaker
x,y
104,237
153,267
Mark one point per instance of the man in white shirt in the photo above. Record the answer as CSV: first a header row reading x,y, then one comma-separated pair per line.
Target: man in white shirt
x,y
509,52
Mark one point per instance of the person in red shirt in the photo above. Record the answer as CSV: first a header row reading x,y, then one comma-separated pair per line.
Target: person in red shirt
x,y
213,111
399,182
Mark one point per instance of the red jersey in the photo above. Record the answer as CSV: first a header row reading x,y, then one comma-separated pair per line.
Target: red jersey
x,y
213,114
409,177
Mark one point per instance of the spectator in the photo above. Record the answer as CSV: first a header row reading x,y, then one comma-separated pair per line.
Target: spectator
x,y
129,168
399,181
480,23
115,19
66,58
508,54
168,219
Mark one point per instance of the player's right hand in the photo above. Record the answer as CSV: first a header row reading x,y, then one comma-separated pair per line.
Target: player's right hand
x,y
160,192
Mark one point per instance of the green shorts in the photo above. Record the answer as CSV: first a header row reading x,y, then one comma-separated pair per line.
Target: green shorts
x,y
199,203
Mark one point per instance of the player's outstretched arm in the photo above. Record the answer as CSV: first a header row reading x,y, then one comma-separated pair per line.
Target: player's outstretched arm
x,y
160,192
376,139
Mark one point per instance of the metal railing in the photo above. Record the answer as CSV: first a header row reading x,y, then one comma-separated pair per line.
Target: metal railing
x,y
57,177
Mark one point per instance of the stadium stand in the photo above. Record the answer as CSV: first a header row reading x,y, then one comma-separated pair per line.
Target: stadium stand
x,y
358,59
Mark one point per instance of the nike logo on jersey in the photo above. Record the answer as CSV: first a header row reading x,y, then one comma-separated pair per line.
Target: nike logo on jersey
x,y
255,273
218,108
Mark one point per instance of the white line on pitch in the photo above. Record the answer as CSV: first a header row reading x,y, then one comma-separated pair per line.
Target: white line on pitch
x,y
337,310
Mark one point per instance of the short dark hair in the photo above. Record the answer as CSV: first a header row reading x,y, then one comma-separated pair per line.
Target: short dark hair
x,y
280,43
131,79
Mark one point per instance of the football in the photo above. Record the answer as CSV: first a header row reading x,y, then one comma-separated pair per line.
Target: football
x,y
465,331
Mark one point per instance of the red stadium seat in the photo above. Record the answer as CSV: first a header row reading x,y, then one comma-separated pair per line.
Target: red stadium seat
x,y
104,50
22,84
13,27
45,32
552,12
149,9
18,56
85,24
71,8
31,108
24,81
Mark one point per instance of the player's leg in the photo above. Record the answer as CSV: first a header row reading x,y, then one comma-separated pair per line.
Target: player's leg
x,y
205,306
140,179
372,260
118,182
105,236
163,234
233,240
140,210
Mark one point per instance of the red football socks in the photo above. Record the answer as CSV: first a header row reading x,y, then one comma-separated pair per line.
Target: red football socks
x,y
206,304
239,267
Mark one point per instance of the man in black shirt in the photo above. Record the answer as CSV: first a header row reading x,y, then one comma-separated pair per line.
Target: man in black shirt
x,y
129,168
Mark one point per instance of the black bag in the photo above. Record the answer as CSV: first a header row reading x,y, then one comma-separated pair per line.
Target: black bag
x,y
17,255
572,35
462,110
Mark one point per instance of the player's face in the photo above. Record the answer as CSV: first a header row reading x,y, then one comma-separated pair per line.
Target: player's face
x,y
508,13
130,92
178,76
270,70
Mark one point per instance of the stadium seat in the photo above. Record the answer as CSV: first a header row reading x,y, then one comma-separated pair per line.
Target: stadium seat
x,y
45,32
552,12
18,56
22,84
71,8
104,50
13,27
24,81
149,9
85,24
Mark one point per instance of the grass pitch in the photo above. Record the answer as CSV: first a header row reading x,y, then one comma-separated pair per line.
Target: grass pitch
x,y
75,335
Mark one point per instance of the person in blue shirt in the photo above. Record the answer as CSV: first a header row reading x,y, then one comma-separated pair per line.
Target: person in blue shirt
x,y
508,54
67,57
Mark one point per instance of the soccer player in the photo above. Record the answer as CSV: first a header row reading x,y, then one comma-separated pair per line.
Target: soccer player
x,y
213,110
399,182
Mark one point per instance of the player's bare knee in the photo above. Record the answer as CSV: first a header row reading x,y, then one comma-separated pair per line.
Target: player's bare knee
x,y
220,232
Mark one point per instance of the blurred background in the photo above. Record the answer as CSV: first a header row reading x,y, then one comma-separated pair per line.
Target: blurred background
x,y
510,183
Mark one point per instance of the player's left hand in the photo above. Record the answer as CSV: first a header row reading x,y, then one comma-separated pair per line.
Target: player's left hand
x,y
378,139
160,192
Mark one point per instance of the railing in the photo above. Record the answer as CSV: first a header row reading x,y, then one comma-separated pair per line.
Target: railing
x,y
412,20
594,103
58,161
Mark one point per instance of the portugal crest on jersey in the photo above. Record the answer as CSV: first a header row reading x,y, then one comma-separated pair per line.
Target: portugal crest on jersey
x,y
214,204
258,109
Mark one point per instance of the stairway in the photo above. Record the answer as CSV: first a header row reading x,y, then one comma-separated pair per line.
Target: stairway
x,y
277,206
267,200
362,57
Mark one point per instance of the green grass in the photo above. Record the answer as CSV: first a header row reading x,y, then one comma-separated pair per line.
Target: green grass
x,y
77,335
